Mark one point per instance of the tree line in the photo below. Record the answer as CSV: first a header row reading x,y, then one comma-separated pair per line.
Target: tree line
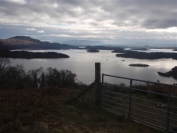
x,y
16,77
6,53
144,55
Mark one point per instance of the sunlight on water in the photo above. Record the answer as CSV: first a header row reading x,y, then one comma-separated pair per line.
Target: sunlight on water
x,y
82,63
156,50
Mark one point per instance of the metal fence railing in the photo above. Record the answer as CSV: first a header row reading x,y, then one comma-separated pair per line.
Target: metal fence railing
x,y
153,103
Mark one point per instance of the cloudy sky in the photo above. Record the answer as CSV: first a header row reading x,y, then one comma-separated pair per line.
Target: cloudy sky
x,y
118,22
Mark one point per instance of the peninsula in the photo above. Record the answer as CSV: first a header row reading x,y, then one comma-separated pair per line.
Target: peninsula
x,y
6,53
172,72
144,55
33,55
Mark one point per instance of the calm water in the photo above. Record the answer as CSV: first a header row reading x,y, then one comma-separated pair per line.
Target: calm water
x,y
82,63
155,50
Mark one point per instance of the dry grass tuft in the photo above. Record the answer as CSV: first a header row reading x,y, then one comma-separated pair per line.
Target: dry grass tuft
x,y
27,111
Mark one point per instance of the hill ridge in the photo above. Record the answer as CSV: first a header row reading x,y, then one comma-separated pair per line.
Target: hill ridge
x,y
26,42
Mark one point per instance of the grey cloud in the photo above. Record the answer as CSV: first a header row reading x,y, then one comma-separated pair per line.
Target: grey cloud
x,y
95,14
123,37
21,2
162,24
117,10
142,10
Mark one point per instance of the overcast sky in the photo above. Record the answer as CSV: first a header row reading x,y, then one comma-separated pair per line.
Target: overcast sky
x,y
110,21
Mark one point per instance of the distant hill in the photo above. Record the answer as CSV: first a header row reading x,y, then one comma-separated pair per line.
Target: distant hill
x,y
26,38
25,42
6,53
84,43
139,49
105,48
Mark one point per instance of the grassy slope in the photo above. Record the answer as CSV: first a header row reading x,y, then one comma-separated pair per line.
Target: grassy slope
x,y
25,111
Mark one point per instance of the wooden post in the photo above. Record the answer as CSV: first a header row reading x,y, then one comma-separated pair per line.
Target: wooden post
x,y
98,84
43,84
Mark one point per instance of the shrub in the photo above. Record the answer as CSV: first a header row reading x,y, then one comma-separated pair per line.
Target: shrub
x,y
15,76
62,78
34,77
12,77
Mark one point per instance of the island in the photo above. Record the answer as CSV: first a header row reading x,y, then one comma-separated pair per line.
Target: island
x,y
93,50
172,72
144,55
33,55
139,49
118,50
105,48
139,65
6,53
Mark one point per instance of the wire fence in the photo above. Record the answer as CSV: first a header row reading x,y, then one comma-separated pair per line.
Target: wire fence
x,y
151,103
85,79
17,93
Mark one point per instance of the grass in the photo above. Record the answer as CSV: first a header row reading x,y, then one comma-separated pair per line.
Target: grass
x,y
25,111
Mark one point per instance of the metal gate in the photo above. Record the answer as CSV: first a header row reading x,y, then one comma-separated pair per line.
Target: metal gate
x,y
151,103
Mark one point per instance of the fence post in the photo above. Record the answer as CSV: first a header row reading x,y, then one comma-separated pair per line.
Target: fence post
x,y
98,84
130,100
43,84
102,89
168,108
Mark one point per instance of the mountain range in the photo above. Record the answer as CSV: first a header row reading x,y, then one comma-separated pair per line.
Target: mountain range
x,y
26,42
84,43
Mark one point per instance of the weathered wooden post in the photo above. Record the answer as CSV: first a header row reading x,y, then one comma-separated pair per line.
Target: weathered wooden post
x,y
43,84
98,84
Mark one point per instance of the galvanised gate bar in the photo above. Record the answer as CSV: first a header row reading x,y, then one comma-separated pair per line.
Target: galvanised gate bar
x,y
151,103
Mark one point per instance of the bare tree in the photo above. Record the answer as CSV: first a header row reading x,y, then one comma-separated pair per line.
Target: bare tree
x,y
4,62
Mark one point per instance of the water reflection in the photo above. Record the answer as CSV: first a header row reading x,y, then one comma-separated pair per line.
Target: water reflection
x,y
155,50
82,63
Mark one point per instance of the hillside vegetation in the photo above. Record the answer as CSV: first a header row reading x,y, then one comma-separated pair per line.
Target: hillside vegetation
x,y
144,55
172,72
6,53
25,42
35,102
26,111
